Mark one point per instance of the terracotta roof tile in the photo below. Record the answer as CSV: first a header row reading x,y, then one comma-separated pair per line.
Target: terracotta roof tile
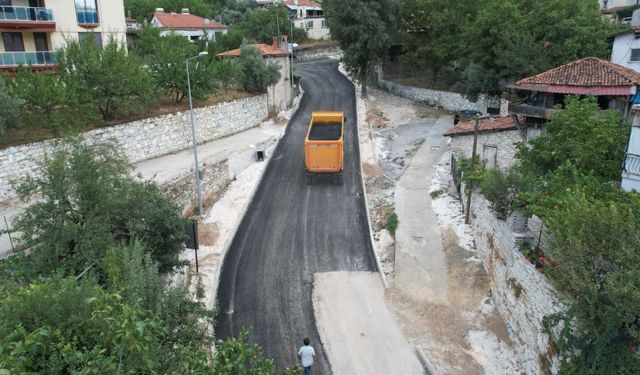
x,y
590,72
186,21
487,125
265,50
302,3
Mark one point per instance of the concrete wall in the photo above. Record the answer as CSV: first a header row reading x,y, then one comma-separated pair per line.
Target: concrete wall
x,y
147,138
504,141
522,293
621,51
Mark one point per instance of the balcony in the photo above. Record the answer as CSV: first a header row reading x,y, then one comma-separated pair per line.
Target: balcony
x,y
530,111
42,59
37,19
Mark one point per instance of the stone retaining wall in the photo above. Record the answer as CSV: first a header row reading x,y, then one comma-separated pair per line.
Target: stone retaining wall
x,y
314,52
523,295
147,138
451,101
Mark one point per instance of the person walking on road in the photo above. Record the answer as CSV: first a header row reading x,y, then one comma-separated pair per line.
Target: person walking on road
x,y
307,356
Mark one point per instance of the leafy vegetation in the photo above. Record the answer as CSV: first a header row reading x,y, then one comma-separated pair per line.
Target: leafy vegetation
x,y
569,176
364,30
98,73
9,107
95,294
256,73
392,223
486,44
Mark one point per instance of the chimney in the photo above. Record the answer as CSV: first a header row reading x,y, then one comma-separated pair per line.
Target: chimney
x,y
296,2
173,13
275,42
159,10
185,11
206,21
129,14
283,43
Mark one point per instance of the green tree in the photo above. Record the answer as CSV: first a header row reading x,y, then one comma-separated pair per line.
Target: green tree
x,y
430,31
595,255
48,102
166,56
263,26
256,73
9,108
512,39
363,29
591,140
87,203
227,73
115,80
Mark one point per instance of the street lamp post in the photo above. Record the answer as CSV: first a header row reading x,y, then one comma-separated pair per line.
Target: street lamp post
x,y
193,133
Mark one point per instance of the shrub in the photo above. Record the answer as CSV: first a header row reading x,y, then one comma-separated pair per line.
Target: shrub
x,y
392,223
9,108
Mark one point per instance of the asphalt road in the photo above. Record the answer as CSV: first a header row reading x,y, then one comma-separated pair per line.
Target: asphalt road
x,y
293,230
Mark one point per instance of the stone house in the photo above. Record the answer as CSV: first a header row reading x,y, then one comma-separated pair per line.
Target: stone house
x,y
188,25
497,137
279,95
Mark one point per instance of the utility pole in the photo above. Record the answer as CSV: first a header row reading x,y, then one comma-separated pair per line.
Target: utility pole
x,y
473,167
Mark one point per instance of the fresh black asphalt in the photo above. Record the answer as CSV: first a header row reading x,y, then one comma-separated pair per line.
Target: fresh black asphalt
x,y
293,230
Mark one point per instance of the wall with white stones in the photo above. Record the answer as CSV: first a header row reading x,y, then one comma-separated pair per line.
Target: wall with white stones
x,y
522,293
504,143
144,139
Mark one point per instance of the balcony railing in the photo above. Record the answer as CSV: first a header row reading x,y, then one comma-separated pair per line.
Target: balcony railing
x,y
12,59
632,163
87,17
26,14
531,111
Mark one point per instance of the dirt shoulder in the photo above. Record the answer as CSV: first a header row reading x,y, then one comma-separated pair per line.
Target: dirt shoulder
x,y
446,309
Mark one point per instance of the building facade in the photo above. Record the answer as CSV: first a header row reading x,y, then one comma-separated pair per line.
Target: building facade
x,y
33,29
631,165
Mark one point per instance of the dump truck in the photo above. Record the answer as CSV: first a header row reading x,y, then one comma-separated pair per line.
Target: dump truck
x,y
323,147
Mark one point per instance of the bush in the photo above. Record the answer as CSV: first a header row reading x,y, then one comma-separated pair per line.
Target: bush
x,y
392,223
9,108
256,74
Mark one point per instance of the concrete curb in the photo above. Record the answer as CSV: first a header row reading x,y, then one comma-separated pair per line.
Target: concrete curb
x,y
216,277
383,277
426,363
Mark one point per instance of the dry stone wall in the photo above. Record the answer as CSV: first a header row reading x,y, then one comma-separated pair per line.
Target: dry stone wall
x,y
451,101
504,142
522,293
145,139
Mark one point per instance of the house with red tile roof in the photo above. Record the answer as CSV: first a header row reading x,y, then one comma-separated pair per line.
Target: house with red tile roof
x,y
613,85
190,26
497,137
279,95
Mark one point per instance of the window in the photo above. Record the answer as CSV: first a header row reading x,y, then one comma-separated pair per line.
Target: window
x,y
309,24
324,24
13,42
635,54
489,154
93,37
87,11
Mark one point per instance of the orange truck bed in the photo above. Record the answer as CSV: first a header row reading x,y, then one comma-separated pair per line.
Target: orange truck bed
x,y
323,146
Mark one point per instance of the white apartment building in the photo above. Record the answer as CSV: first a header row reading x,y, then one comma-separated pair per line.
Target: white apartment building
x,y
305,14
33,29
